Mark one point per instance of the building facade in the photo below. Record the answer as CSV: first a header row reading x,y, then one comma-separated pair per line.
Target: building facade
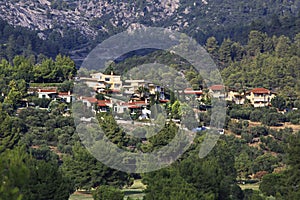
x,y
260,97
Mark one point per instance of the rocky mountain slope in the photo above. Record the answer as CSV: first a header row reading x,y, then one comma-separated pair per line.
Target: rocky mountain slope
x,y
92,16
76,26
43,14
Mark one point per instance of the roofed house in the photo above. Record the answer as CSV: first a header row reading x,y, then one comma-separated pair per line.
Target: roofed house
x,y
89,101
260,97
217,91
110,80
197,93
130,86
235,97
68,97
104,105
47,94
100,82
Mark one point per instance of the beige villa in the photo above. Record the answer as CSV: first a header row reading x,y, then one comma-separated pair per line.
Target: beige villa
x,y
100,82
260,97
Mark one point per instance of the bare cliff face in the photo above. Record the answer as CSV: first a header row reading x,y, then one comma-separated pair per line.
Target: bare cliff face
x,y
92,17
80,14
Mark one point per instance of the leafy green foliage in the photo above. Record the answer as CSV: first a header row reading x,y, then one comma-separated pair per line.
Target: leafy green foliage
x,y
292,177
34,176
14,174
87,172
208,178
270,63
11,129
168,184
285,185
294,116
107,192
272,185
46,182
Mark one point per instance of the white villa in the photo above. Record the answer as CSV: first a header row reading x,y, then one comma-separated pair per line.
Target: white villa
x,y
130,86
68,97
47,93
217,91
236,97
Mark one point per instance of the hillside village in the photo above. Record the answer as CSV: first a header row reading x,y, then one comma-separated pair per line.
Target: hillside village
x,y
139,94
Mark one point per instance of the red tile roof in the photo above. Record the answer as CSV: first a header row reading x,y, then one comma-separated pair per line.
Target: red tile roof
x,y
103,103
64,94
260,91
191,91
138,102
217,87
90,99
47,91
163,100
134,106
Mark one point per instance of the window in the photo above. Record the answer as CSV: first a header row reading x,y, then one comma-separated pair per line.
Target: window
x,y
107,79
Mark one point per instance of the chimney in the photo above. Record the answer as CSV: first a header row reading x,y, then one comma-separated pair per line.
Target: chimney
x,y
111,73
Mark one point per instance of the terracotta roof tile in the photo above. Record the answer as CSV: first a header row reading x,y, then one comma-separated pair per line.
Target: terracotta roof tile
x,y
103,103
217,87
64,93
163,100
90,99
191,91
48,91
134,106
260,91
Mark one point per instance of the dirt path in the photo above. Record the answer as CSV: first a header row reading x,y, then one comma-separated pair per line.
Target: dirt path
x,y
285,125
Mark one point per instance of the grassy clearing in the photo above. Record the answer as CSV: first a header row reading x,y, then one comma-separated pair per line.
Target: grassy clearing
x,y
135,191
81,196
137,194
137,184
45,84
253,186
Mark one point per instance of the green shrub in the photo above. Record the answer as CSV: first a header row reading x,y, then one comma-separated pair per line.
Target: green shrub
x,y
294,117
41,102
107,192
272,184
271,119
256,115
247,137
257,131
243,113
